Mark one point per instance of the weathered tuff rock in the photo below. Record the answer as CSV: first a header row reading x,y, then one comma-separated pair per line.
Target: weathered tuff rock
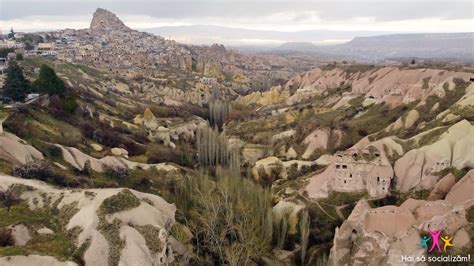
x,y
388,146
355,170
79,160
104,20
283,135
386,84
253,152
21,234
176,130
291,154
462,191
96,147
270,168
16,151
417,167
442,187
36,260
290,211
274,95
148,119
404,122
151,211
320,139
2,120
380,236
119,152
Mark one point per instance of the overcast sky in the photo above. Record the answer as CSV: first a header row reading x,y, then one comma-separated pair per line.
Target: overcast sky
x,y
294,15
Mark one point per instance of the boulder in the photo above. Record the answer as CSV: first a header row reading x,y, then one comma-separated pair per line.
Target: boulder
x,y
149,119
270,168
119,152
163,134
96,147
45,231
21,234
291,154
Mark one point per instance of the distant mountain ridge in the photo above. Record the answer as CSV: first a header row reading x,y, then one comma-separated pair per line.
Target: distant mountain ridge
x,y
363,46
208,34
424,45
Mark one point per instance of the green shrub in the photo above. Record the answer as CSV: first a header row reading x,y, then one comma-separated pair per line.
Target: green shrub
x,y
70,105
122,201
48,82
119,174
16,86
5,51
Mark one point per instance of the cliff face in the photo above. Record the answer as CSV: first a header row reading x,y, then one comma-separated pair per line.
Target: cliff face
x,y
104,20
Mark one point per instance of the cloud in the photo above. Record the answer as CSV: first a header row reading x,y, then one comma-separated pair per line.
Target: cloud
x,y
285,15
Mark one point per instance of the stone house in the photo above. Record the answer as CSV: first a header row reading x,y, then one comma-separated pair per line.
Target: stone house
x,y
359,171
354,170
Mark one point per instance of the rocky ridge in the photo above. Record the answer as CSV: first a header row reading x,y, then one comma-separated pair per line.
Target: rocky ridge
x,y
104,20
89,213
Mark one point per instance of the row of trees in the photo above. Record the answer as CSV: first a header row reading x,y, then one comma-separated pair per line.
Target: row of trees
x,y
213,148
16,86
218,112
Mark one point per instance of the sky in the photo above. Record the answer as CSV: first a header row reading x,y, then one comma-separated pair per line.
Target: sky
x,y
397,16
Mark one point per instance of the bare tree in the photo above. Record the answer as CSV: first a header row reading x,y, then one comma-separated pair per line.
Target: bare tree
x,y
9,197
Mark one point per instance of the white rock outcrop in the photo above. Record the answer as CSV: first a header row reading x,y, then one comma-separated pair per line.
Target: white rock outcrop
x,y
16,151
151,211
79,160
270,167
418,167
